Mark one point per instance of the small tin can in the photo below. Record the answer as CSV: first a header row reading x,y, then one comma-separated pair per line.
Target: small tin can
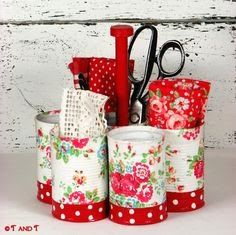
x,y
79,178
44,122
184,169
136,175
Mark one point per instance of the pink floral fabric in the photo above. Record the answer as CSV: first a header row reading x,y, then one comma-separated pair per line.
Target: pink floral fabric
x,y
141,172
177,103
134,178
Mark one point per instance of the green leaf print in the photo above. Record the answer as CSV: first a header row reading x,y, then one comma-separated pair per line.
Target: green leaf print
x,y
181,131
172,105
158,93
111,167
96,199
167,163
195,158
58,156
65,158
176,94
145,155
88,195
190,119
151,94
69,189
201,151
66,195
44,178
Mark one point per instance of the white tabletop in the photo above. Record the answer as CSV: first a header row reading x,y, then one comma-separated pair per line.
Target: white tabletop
x,y
19,206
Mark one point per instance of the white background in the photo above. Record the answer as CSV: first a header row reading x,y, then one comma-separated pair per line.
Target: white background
x,y
39,38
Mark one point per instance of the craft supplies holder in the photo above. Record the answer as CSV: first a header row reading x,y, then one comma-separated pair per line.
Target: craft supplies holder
x,y
133,174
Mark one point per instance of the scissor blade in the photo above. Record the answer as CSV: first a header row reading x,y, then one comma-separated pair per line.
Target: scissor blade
x,y
136,113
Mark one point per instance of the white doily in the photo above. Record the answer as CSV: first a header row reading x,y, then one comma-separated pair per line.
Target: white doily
x,y
82,114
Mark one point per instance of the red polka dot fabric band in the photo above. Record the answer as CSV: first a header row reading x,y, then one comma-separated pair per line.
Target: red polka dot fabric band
x,y
44,192
183,202
138,216
80,213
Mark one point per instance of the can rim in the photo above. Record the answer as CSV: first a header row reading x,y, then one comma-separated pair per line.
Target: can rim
x,y
121,134
43,117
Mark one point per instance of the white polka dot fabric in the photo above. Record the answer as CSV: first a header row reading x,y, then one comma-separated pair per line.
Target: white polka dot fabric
x,y
82,114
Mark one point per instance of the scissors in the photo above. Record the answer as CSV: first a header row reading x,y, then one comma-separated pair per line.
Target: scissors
x,y
83,83
138,99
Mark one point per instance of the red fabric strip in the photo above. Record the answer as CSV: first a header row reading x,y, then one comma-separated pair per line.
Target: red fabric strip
x,y
182,202
80,213
138,216
44,192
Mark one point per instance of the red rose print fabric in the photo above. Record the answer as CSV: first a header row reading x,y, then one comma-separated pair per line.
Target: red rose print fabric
x,y
100,74
177,103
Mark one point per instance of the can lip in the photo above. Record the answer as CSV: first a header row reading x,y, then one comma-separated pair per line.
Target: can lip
x,y
49,117
183,129
136,134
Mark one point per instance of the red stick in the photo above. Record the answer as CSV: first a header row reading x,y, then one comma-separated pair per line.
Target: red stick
x,y
121,33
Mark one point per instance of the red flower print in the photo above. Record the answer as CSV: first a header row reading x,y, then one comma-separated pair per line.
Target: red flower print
x,y
129,147
48,153
199,169
80,143
171,180
40,133
115,182
117,146
180,188
128,185
151,151
90,151
49,182
157,105
171,170
176,121
141,172
152,161
77,196
145,193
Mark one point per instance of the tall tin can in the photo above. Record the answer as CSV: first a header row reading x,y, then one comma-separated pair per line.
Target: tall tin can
x,y
44,123
79,178
136,175
184,169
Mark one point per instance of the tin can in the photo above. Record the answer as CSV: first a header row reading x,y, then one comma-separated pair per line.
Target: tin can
x,y
136,175
184,169
44,122
79,178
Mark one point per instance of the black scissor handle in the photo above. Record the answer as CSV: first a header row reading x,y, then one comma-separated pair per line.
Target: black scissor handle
x,y
167,45
139,86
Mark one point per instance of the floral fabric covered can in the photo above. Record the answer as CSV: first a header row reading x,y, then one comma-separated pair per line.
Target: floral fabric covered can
x,y
184,169
79,178
44,122
136,175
